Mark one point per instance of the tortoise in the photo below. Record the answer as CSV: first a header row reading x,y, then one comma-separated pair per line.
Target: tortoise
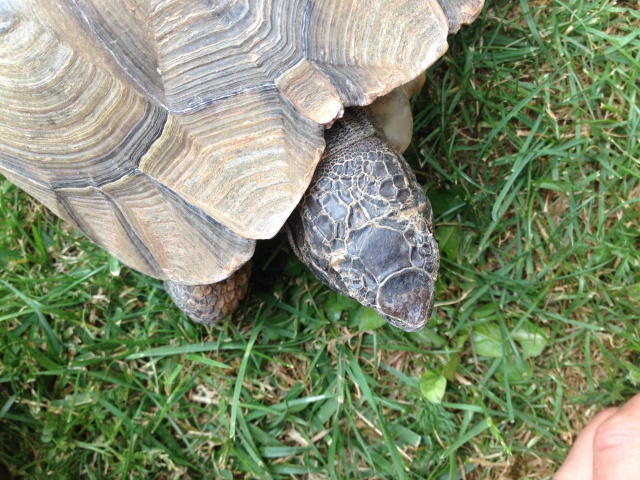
x,y
175,134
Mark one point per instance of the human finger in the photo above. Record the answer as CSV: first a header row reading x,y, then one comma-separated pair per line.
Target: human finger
x,y
616,444
579,463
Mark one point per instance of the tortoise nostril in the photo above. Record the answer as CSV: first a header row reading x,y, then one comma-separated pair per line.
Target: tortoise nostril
x,y
406,298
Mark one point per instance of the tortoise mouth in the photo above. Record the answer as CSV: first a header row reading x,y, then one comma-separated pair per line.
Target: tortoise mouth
x,y
406,299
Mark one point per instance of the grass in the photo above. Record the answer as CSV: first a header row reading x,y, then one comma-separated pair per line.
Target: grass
x,y
527,143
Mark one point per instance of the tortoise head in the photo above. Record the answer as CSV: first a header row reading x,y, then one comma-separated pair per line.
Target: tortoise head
x,y
365,227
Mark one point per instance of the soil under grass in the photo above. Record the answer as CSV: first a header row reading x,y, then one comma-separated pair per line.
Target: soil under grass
x,y
527,143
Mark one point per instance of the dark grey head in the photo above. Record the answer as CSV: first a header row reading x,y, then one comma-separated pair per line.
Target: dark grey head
x,y
365,227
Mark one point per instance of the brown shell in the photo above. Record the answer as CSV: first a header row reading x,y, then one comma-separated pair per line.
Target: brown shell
x,y
175,133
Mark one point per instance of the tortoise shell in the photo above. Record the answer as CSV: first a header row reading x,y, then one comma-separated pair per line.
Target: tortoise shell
x,y
176,133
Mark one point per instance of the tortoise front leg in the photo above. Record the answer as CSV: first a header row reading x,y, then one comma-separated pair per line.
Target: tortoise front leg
x,y
209,304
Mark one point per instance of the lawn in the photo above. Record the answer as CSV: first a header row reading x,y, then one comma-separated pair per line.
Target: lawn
x,y
526,140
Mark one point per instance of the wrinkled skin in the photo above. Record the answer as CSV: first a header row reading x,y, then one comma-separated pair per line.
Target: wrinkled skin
x,y
365,227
